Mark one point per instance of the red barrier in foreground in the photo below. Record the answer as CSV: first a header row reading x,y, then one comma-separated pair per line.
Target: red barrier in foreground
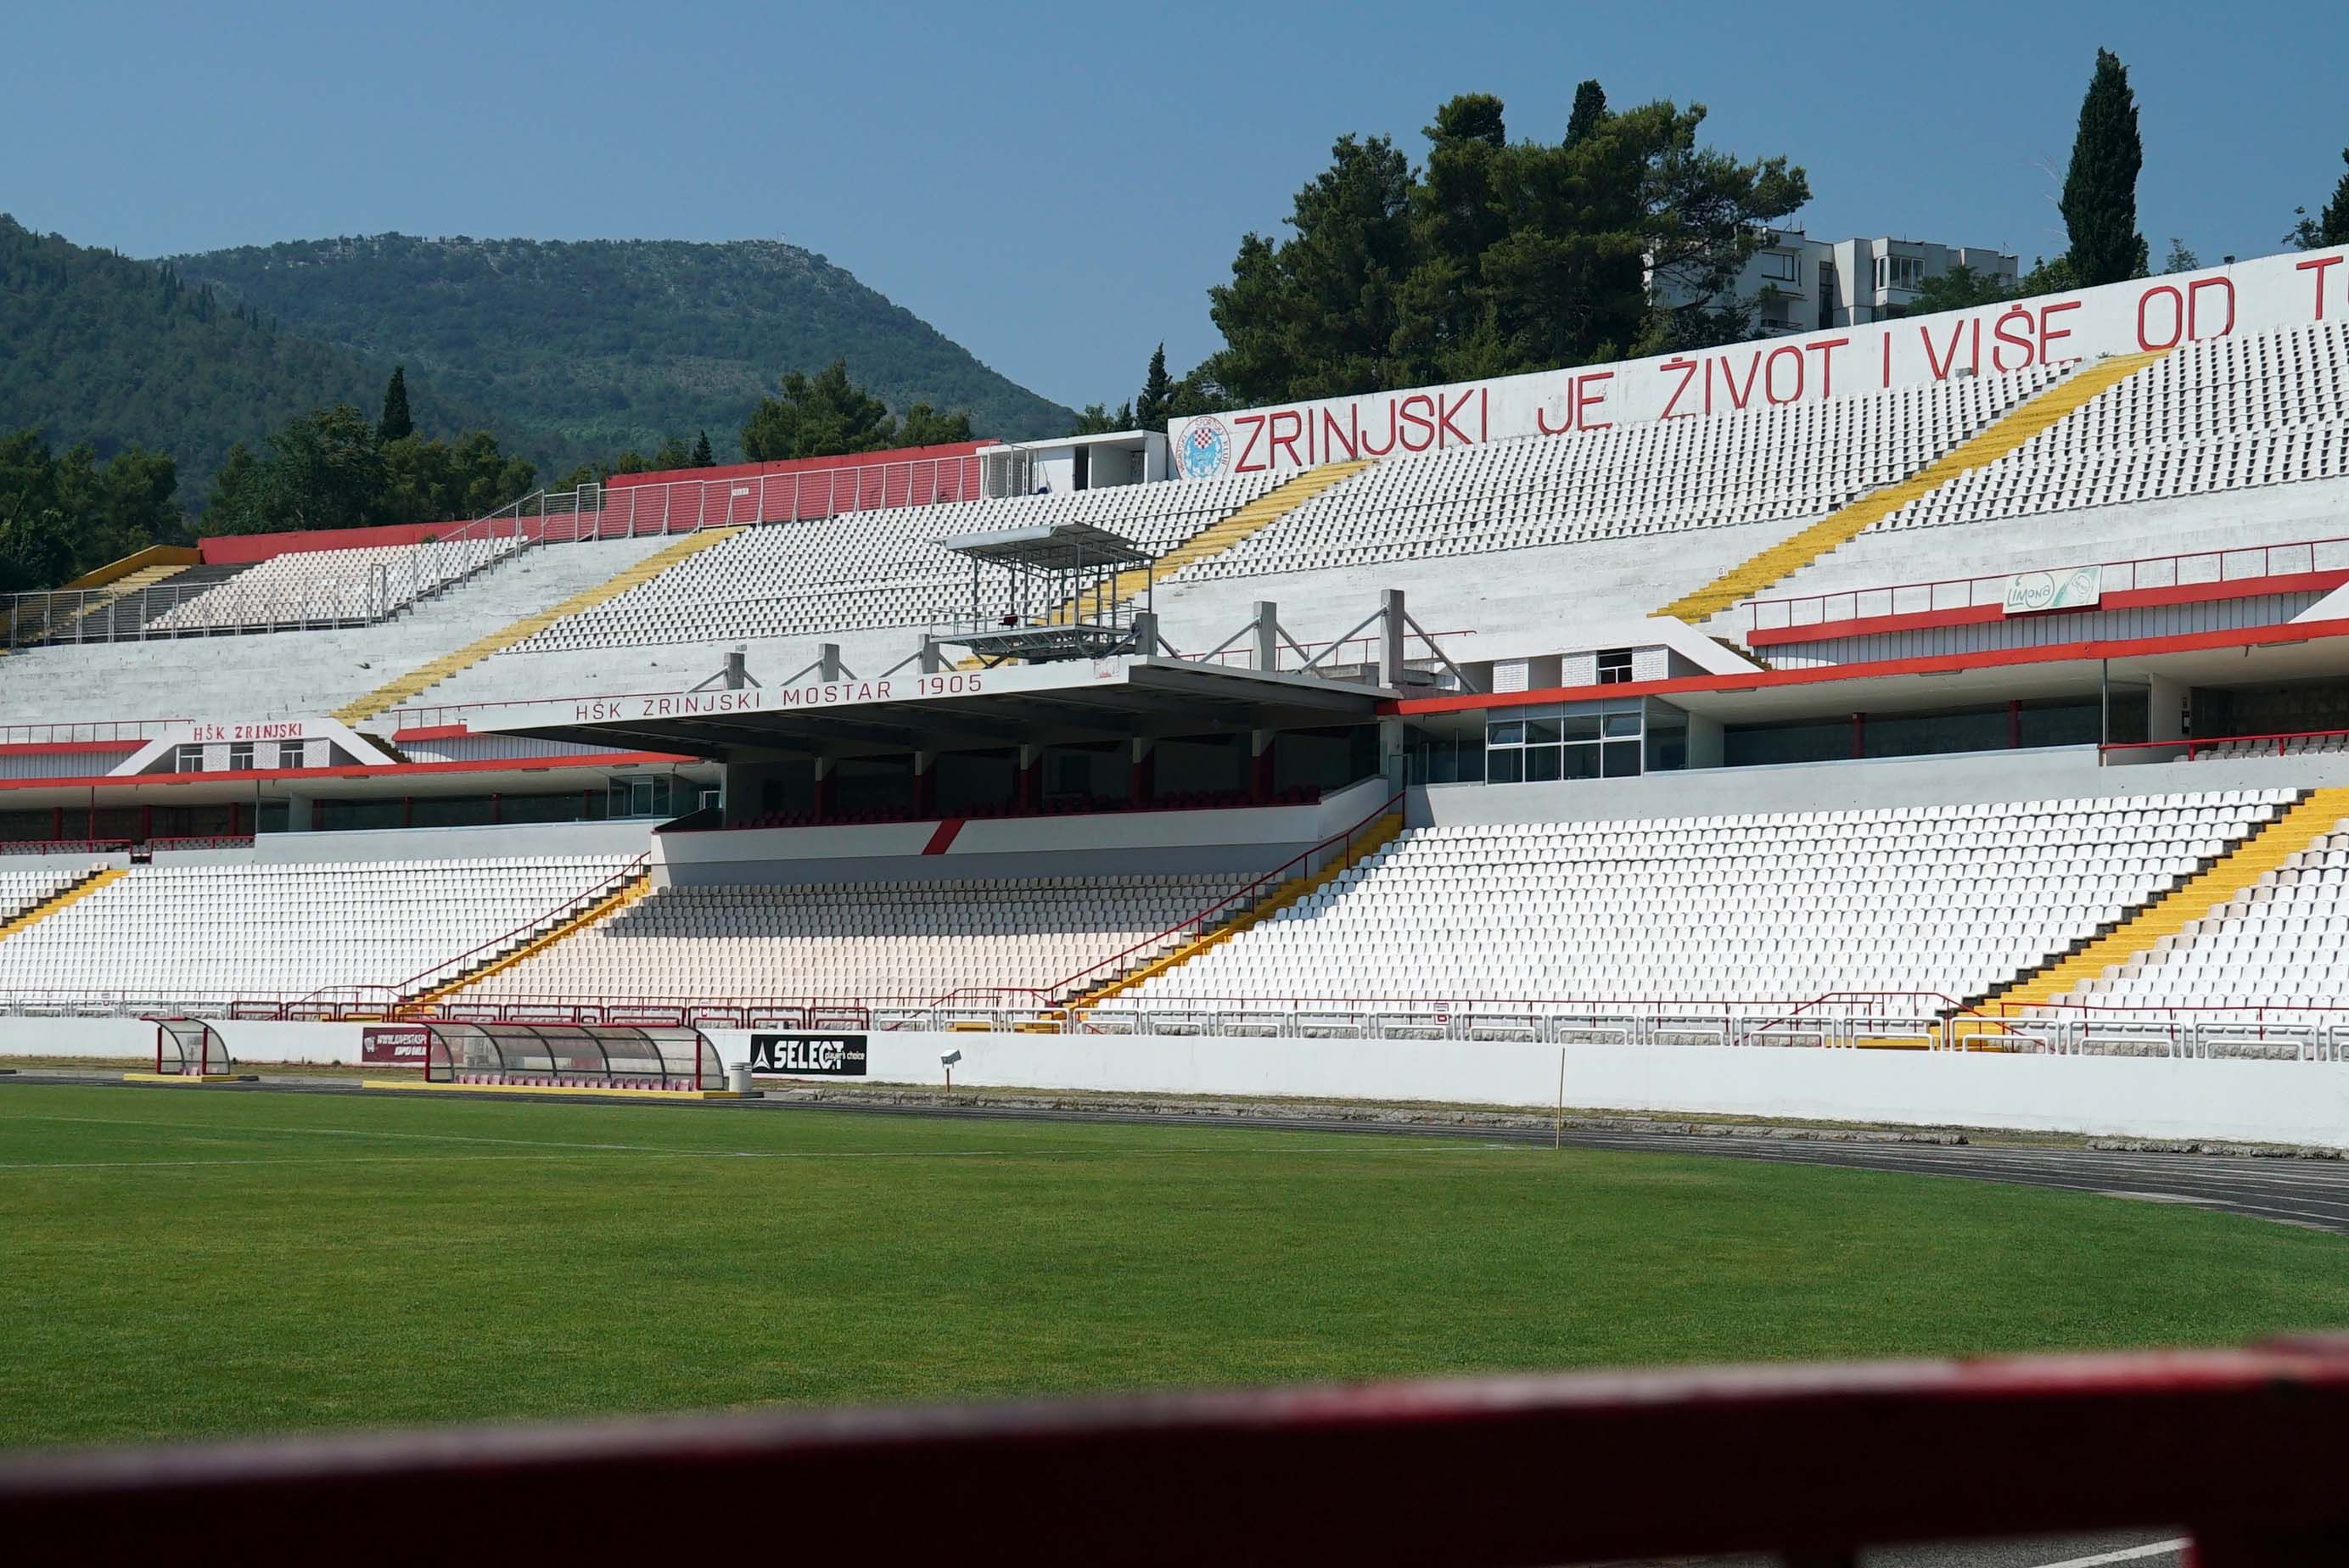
x,y
2233,1448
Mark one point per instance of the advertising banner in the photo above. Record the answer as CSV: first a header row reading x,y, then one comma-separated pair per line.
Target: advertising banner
x,y
809,1056
2263,294
2078,588
393,1045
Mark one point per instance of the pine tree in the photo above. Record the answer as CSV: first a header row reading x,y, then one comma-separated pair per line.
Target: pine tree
x,y
1149,407
702,456
2100,188
396,424
2330,227
1589,108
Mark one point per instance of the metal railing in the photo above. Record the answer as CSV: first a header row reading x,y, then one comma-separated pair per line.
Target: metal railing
x,y
626,510
75,617
2288,743
2180,571
86,732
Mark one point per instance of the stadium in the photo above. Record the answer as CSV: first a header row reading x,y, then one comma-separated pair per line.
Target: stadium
x,y
1828,847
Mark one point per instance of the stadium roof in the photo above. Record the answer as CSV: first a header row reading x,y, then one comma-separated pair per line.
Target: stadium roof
x,y
1050,547
1075,701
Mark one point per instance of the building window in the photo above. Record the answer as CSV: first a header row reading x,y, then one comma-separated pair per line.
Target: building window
x,y
239,757
1614,666
292,753
1899,272
1549,744
1782,266
190,759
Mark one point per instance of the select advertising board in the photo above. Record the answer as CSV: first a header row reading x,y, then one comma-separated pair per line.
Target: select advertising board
x,y
2264,294
809,1055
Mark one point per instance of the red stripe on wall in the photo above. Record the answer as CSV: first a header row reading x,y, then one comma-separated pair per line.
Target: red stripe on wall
x,y
1940,664
944,837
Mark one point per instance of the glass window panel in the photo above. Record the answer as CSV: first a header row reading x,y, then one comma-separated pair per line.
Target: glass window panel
x,y
1578,726
1623,759
1622,725
1580,762
1506,732
1541,764
1503,766
1541,731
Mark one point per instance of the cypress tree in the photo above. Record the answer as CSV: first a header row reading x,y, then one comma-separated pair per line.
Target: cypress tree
x,y
396,424
2100,188
1589,108
1149,407
702,456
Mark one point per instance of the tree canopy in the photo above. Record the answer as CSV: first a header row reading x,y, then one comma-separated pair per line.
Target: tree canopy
x,y
827,415
395,422
1494,256
329,468
64,513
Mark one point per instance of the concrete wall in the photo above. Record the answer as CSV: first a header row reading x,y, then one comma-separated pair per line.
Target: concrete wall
x,y
2049,773
2274,1102
629,837
1250,839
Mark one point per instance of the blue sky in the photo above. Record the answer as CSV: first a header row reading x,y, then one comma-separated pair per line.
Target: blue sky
x,y
1056,186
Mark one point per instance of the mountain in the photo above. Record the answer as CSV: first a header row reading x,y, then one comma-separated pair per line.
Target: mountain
x,y
587,349
96,347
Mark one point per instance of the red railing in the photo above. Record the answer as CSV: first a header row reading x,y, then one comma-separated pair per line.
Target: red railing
x,y
2198,746
2224,1448
1965,593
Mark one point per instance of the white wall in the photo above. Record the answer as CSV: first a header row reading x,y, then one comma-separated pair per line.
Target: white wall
x,y
2267,1102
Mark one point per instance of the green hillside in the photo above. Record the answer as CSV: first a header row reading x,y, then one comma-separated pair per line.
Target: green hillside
x,y
584,349
96,347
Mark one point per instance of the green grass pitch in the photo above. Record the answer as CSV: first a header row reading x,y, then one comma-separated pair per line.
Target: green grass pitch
x,y
183,1262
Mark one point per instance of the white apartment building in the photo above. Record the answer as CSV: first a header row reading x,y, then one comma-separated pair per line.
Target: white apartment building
x,y
1802,285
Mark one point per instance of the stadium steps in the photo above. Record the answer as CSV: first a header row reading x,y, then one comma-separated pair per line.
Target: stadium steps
x,y
2229,876
418,681
73,894
1381,833
611,903
1839,528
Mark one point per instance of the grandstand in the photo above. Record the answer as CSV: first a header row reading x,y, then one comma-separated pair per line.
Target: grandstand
x,y
1971,680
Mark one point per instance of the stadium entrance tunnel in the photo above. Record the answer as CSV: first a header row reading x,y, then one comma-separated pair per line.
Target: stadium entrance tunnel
x,y
568,1058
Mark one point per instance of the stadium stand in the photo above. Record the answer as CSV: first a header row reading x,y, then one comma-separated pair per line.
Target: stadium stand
x,y
26,894
870,568
2233,414
198,933
1764,465
1949,900
304,672
335,587
863,942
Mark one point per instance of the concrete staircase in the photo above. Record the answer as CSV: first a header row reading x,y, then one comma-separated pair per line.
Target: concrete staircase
x,y
610,904
421,679
2231,876
63,898
1295,889
2001,436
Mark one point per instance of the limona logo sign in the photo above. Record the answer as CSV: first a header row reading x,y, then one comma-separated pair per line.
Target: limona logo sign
x,y
1207,449
2080,588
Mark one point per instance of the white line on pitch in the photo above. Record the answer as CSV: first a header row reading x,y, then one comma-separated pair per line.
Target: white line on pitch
x,y
2126,1554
